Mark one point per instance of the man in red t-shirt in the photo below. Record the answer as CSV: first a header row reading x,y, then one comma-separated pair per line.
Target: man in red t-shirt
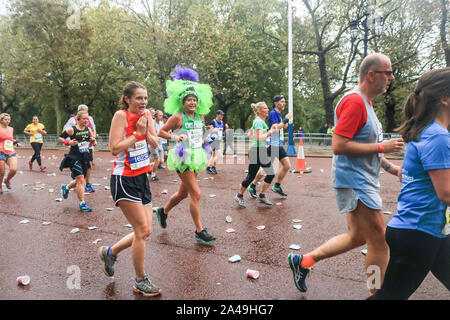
x,y
358,147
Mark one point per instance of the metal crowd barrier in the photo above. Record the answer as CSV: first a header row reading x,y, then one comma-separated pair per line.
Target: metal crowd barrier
x,y
315,142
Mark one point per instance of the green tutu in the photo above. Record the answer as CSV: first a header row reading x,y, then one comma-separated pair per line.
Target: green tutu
x,y
195,161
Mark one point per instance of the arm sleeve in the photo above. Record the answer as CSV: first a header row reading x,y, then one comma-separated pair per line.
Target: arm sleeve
x,y
64,135
352,116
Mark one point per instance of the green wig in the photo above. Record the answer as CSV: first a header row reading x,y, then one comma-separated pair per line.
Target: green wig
x,y
183,86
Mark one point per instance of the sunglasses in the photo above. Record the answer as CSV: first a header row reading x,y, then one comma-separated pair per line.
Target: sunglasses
x,y
387,73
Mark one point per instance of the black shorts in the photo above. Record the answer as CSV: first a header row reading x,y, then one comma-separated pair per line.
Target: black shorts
x,y
276,152
134,189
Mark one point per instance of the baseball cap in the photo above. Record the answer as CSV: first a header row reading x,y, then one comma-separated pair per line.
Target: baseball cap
x,y
278,97
220,112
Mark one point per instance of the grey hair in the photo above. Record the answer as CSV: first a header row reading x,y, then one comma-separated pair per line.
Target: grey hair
x,y
82,106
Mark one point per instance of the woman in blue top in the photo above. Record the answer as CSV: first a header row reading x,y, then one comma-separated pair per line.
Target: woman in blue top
x,y
418,235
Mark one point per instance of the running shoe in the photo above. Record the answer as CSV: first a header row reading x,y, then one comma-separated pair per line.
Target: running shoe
x,y
42,168
65,191
161,167
84,207
1,190
8,184
252,192
213,170
89,188
155,178
146,287
264,199
204,237
298,271
30,165
162,217
278,190
108,261
209,170
240,201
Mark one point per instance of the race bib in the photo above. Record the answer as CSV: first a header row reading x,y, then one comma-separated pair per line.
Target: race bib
x,y
195,138
380,132
139,156
282,134
446,229
83,146
38,137
9,145
220,133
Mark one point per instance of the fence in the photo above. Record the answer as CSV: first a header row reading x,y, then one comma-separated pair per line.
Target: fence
x,y
315,142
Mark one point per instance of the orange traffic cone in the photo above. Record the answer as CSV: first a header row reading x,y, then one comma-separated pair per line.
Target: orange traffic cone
x,y
300,167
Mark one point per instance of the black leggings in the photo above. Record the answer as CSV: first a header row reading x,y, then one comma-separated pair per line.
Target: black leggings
x,y
258,158
413,254
37,152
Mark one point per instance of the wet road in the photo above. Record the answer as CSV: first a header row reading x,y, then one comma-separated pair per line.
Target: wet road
x,y
65,265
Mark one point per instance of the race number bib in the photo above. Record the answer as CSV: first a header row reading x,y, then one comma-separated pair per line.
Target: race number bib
x,y
195,137
446,229
139,156
282,134
220,133
83,146
9,145
380,132
38,137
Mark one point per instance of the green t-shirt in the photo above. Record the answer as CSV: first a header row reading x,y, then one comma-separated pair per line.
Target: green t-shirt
x,y
259,124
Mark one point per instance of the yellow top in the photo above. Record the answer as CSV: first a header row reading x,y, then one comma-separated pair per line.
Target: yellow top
x,y
36,135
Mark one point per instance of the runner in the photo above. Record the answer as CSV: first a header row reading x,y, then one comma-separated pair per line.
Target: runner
x,y
188,101
36,131
418,236
358,149
276,149
131,130
158,152
217,127
258,156
7,151
91,124
78,158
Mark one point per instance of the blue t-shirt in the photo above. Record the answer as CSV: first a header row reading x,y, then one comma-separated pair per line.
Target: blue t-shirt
x,y
276,139
419,207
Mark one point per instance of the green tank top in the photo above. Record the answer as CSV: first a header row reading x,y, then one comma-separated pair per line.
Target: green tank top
x,y
259,124
194,129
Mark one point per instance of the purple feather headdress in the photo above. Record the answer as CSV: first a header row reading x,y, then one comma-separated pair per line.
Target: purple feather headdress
x,y
184,73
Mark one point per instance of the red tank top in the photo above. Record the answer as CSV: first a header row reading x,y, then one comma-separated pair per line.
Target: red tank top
x,y
7,141
135,160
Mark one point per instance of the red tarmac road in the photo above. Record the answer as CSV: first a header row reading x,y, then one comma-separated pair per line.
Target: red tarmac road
x,y
55,258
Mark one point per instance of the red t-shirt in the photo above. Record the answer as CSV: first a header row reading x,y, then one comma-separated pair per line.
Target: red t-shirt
x,y
352,115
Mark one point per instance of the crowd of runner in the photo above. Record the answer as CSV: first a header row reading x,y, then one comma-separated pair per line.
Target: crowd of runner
x,y
416,237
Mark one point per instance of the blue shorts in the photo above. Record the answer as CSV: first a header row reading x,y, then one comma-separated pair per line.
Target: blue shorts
x,y
4,156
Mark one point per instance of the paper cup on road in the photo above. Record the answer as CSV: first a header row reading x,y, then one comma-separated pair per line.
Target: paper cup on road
x,y
23,280
254,274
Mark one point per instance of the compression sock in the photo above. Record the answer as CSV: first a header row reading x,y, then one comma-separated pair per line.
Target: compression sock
x,y
307,261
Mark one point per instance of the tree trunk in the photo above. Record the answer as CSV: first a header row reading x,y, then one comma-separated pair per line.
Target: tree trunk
x,y
328,98
443,31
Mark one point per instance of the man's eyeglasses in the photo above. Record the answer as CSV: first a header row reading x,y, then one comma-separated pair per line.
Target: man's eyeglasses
x,y
387,73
